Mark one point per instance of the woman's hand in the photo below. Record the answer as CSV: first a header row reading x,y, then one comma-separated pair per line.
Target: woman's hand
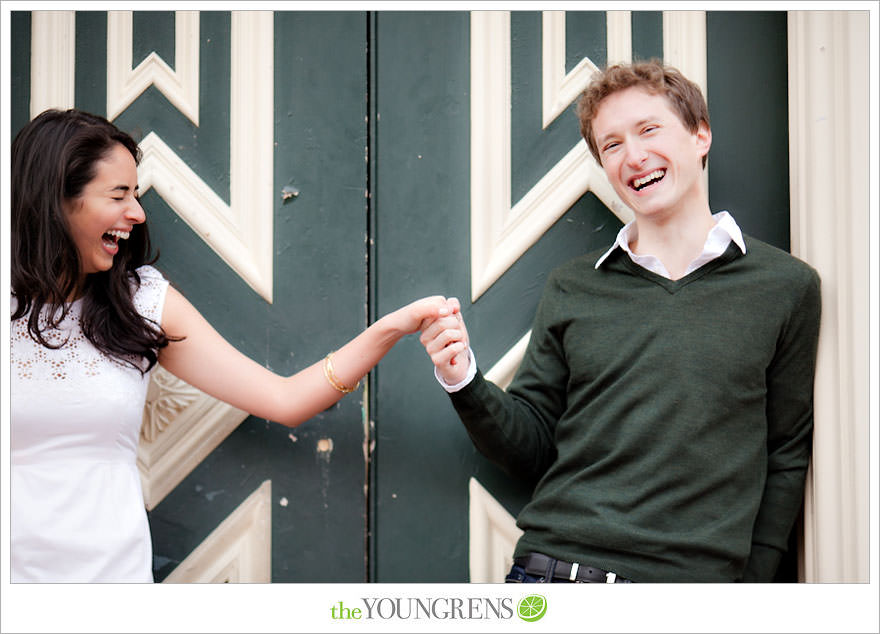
x,y
415,316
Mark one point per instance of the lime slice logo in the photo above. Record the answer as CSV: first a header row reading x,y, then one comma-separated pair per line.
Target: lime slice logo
x,y
532,607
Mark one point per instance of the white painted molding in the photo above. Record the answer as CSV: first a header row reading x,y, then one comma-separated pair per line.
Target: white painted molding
x,y
490,139
218,224
684,44
53,56
181,427
167,397
502,373
684,47
619,40
241,233
559,88
829,159
501,233
239,550
125,84
252,142
493,536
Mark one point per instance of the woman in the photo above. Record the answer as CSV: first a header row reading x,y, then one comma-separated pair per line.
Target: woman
x,y
90,319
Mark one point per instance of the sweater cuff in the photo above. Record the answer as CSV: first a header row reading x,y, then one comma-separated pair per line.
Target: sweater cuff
x,y
762,565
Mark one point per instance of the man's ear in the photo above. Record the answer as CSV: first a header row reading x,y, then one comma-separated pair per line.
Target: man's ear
x,y
703,138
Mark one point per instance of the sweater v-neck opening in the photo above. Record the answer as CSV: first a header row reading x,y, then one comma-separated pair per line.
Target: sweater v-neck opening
x,y
673,286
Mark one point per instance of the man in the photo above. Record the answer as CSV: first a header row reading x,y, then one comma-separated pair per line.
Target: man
x,y
664,404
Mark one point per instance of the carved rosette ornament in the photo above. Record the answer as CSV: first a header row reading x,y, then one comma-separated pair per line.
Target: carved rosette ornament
x,y
167,398
181,426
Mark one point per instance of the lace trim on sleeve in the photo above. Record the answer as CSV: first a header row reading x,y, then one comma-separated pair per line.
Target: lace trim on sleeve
x,y
149,298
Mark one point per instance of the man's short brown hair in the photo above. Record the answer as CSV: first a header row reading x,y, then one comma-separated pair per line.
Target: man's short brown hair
x,y
684,96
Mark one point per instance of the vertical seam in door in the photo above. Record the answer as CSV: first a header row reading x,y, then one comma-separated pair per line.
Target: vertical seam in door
x,y
370,396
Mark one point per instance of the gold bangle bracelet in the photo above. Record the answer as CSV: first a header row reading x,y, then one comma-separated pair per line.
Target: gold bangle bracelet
x,y
331,377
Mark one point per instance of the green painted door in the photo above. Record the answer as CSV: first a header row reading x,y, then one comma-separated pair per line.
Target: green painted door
x,y
317,470
387,152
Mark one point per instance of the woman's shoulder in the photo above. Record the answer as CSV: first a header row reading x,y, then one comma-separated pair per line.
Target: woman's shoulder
x,y
150,287
149,272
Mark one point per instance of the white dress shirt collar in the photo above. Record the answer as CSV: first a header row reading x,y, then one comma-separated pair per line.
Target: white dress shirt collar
x,y
719,238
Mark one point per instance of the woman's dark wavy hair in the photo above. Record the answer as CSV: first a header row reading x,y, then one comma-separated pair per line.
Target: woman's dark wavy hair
x,y
53,158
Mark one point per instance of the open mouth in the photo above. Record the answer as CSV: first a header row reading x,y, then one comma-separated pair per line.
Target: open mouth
x,y
111,239
656,176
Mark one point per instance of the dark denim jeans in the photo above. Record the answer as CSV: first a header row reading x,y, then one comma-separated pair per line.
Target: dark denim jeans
x,y
518,574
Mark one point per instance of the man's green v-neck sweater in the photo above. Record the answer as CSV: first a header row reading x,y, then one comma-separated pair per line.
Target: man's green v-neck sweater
x,y
668,423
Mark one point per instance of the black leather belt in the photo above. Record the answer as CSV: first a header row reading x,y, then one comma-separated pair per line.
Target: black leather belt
x,y
543,566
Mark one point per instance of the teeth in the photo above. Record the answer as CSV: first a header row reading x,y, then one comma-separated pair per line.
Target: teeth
x,y
639,182
122,235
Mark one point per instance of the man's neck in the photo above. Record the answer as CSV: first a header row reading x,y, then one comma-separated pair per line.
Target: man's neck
x,y
675,239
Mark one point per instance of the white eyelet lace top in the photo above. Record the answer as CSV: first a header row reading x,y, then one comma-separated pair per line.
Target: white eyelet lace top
x,y
77,511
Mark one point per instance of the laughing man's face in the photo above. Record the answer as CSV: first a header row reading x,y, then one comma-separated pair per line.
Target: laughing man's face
x,y
653,162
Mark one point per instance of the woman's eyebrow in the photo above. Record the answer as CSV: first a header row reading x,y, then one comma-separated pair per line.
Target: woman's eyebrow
x,y
123,188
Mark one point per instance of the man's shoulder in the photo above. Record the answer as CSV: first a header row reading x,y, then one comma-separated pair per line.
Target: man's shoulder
x,y
579,266
778,262
782,278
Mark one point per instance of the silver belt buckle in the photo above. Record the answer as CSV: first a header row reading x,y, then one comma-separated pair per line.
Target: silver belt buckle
x,y
572,576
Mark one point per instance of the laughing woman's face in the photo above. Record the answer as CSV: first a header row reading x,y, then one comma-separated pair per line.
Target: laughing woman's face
x,y
106,210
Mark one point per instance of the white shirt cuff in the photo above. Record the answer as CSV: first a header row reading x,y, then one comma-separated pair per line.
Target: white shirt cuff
x,y
471,373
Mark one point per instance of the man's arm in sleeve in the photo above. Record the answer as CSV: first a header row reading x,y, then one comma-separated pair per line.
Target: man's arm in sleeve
x,y
512,428
790,380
